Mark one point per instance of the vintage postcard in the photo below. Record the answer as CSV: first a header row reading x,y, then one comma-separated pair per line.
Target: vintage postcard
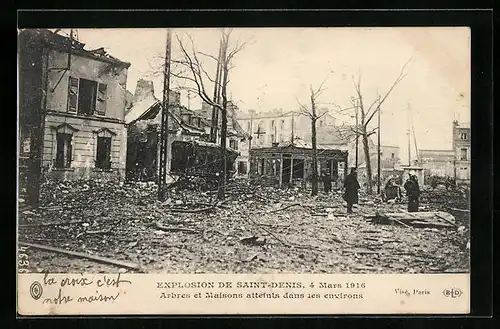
x,y
244,171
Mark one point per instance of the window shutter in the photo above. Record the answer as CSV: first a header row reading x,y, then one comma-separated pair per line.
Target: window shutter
x,y
108,152
73,94
101,99
71,155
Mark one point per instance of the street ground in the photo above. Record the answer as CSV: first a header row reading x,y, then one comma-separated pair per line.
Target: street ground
x,y
257,229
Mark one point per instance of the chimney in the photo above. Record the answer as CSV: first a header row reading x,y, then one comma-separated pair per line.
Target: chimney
x,y
143,90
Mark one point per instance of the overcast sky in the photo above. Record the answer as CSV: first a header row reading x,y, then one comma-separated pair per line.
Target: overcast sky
x,y
277,66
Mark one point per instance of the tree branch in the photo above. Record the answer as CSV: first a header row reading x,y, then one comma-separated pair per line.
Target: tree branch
x,y
367,121
400,77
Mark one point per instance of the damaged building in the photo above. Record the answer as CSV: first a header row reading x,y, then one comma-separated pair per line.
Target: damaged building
x,y
143,120
237,138
290,163
71,110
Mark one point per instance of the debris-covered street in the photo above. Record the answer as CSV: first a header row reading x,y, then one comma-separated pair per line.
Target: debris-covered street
x,y
256,229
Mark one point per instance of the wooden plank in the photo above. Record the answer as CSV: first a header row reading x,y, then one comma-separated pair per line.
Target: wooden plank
x,y
400,222
82,255
446,219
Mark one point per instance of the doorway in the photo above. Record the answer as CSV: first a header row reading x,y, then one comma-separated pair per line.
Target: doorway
x,y
287,170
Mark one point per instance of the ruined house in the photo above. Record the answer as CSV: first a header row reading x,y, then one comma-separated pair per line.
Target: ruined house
x,y
71,111
237,138
290,164
143,120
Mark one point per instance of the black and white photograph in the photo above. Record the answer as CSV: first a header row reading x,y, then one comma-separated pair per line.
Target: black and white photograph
x,y
244,150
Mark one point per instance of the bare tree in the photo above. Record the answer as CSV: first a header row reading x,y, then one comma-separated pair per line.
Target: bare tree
x,y
314,116
366,114
192,69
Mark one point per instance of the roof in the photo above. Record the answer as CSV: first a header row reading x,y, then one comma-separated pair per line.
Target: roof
x,y
149,108
299,143
66,44
206,144
142,108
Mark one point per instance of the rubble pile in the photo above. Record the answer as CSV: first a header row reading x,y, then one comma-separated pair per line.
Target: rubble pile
x,y
441,196
256,229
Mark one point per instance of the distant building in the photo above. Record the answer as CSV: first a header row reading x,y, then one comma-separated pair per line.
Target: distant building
x,y
462,148
439,163
344,138
71,111
450,163
279,126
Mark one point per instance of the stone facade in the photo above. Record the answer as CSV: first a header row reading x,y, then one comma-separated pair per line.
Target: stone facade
x,y
277,126
462,149
71,111
67,114
437,162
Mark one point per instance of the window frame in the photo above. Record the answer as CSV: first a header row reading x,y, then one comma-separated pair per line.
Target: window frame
x,y
66,129
462,157
100,88
103,164
65,158
107,133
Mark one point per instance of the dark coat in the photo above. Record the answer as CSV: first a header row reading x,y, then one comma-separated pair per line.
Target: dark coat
x,y
351,186
412,189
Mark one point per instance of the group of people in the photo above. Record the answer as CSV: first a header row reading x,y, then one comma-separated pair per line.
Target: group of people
x,y
351,186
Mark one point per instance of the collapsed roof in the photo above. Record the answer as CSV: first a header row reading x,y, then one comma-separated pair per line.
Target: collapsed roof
x,y
63,43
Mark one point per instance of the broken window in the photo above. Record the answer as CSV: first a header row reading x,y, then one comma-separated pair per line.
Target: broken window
x,y
392,155
86,96
103,158
101,99
272,138
463,136
463,154
73,94
63,150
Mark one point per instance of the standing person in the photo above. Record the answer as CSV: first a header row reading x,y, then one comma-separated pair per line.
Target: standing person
x,y
327,181
412,193
351,186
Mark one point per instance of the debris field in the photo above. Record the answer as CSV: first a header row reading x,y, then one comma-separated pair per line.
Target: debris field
x,y
100,226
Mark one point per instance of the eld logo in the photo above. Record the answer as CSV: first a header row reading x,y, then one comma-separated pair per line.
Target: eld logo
x,y
36,290
452,292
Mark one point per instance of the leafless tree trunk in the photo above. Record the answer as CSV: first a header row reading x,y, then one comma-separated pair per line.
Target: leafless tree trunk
x,y
366,115
195,73
312,114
